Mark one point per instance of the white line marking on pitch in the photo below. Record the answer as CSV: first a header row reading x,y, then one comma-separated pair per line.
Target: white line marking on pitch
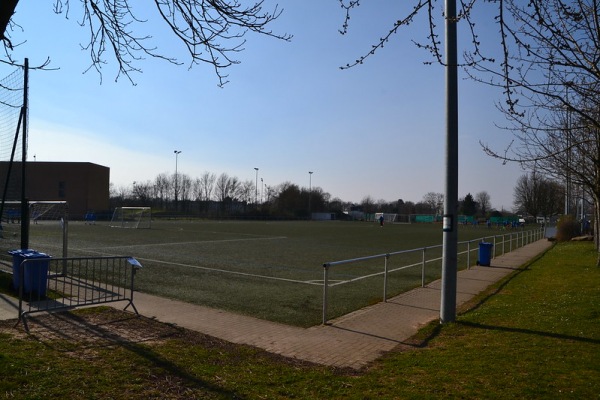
x,y
309,282
194,242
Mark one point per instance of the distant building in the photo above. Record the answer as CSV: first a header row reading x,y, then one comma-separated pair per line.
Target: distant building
x,y
84,185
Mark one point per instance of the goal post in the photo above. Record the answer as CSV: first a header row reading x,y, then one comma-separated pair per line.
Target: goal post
x,y
403,219
132,217
387,217
48,226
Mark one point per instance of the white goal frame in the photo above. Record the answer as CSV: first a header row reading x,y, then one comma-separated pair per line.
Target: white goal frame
x,y
132,217
387,217
45,213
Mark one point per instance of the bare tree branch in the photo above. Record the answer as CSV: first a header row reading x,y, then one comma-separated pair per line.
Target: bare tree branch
x,y
211,31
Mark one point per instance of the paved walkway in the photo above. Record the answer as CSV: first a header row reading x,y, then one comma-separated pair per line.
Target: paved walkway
x,y
352,341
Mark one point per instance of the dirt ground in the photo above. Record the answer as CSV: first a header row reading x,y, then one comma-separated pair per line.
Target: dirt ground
x,y
93,326
105,326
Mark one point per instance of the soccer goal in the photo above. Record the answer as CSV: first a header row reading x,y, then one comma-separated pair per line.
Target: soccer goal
x,y
132,217
387,217
403,219
48,226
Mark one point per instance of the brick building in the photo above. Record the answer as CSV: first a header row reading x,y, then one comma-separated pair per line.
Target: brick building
x,y
84,185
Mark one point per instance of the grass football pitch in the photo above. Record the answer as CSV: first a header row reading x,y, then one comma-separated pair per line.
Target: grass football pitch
x,y
268,269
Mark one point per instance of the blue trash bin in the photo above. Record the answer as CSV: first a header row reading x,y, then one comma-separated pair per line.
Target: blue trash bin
x,y
35,275
35,279
485,254
18,258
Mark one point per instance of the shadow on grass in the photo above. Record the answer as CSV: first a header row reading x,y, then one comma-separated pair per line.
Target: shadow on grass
x,y
68,332
431,332
528,332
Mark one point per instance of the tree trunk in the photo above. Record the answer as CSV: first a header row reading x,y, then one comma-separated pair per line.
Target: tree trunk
x,y
597,226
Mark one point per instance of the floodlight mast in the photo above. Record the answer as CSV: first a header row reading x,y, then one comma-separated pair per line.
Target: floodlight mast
x,y
256,188
309,192
450,229
177,152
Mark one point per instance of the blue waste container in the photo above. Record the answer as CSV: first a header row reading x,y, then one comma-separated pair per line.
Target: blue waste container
x,y
35,274
18,258
485,254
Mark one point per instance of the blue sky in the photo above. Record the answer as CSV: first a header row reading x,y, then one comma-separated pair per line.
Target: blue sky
x,y
376,129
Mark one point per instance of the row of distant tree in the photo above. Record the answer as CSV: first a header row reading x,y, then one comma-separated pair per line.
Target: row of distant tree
x,y
221,195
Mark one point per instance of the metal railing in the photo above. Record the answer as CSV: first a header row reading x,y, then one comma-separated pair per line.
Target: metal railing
x,y
57,284
501,244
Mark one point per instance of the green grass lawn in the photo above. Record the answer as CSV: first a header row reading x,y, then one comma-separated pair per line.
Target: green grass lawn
x,y
534,335
267,269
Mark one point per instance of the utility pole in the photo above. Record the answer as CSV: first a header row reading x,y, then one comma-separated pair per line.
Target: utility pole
x,y
450,229
309,192
177,152
256,188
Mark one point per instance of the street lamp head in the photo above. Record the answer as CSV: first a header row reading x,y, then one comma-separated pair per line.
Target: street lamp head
x,y
256,168
177,151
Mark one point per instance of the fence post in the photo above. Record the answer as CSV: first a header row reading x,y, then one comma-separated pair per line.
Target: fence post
x,y
468,254
423,268
325,286
135,265
385,276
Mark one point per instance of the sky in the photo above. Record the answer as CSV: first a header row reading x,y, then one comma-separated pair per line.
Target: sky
x,y
375,130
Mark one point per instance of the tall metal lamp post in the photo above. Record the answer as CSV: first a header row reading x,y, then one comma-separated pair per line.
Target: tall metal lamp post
x,y
309,192
256,188
450,231
177,152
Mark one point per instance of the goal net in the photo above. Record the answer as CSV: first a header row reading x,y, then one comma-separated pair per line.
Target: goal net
x,y
387,217
403,219
132,217
48,227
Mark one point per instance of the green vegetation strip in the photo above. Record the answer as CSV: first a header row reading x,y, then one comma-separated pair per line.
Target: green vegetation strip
x,y
534,335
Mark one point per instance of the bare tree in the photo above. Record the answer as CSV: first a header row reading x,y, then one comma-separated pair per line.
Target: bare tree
x,y
528,194
435,201
545,61
185,186
206,184
142,192
162,183
551,79
537,195
210,31
246,191
368,204
222,187
483,201
227,187
553,199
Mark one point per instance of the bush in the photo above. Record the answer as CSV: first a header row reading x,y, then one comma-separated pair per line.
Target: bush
x,y
567,228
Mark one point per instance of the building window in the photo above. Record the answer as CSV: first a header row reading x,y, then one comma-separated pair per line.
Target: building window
x,y
62,189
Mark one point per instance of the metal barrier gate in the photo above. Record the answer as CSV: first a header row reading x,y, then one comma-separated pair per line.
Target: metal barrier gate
x,y
57,284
